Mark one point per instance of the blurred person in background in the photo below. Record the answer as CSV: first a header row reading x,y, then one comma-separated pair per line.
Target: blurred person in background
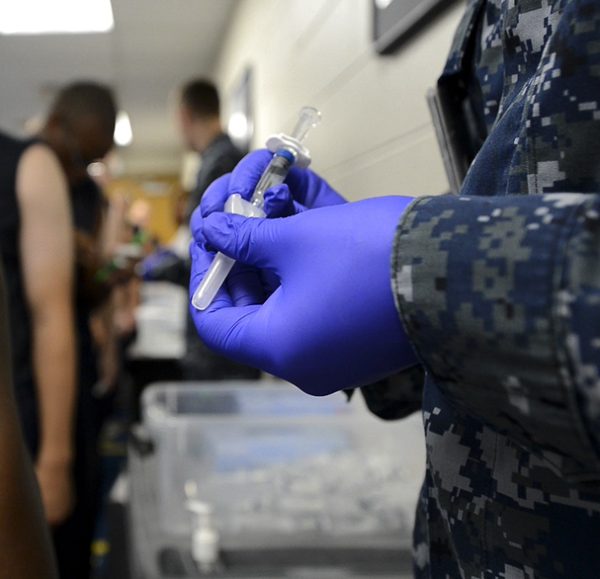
x,y
202,132
36,248
179,244
79,129
119,232
199,116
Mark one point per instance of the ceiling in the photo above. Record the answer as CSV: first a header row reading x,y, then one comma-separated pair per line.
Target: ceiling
x,y
155,45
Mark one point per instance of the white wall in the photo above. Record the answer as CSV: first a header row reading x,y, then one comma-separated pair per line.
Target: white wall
x,y
376,137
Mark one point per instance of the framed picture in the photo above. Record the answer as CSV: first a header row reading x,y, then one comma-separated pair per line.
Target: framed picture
x,y
395,21
240,124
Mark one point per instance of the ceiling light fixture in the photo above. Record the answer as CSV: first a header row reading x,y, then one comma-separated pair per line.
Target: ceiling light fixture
x,y
123,133
55,17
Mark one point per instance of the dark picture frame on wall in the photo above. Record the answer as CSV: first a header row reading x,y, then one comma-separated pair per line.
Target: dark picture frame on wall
x,y
240,123
396,21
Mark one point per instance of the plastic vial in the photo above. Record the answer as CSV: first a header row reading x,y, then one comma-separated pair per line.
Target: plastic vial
x,y
205,537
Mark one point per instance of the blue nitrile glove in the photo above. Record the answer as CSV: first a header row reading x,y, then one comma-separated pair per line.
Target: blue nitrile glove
x,y
303,189
332,323
151,267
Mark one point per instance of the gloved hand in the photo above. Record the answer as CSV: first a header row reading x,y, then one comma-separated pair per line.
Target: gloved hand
x,y
303,189
152,267
332,323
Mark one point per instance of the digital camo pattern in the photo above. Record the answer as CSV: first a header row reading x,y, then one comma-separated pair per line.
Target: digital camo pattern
x,y
499,290
512,395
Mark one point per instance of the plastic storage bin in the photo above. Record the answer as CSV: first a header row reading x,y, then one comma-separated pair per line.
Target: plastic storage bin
x,y
276,463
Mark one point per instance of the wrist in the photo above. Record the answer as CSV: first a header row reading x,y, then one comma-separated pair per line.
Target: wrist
x,y
52,456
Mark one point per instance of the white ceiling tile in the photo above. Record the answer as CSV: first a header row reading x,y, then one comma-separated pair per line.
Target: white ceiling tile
x,y
156,45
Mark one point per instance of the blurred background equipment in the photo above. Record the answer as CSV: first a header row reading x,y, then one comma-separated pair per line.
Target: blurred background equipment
x,y
291,485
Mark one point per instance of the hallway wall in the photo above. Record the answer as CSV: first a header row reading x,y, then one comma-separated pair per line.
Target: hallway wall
x,y
376,137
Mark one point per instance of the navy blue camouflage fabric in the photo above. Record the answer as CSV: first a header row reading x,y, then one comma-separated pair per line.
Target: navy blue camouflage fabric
x,y
499,290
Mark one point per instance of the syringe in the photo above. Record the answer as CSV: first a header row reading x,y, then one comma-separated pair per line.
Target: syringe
x,y
288,151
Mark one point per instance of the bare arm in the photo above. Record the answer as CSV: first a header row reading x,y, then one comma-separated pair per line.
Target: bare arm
x,y
105,338
25,550
47,256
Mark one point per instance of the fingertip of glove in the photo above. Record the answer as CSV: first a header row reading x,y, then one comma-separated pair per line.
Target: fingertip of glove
x,y
218,227
277,191
278,201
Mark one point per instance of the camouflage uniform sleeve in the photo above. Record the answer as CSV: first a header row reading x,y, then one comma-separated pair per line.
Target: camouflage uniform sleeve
x,y
500,297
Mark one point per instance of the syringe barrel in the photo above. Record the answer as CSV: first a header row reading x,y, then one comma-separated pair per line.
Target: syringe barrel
x,y
274,174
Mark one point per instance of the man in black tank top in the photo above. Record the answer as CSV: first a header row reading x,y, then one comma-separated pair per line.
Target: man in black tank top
x,y
45,193
79,129
36,249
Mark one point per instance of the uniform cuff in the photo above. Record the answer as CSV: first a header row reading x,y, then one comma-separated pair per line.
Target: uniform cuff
x,y
475,281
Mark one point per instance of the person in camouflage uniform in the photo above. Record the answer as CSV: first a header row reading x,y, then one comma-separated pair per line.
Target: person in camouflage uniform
x,y
498,290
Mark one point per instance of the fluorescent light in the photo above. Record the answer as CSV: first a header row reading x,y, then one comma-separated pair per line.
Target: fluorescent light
x,y
123,132
238,125
55,16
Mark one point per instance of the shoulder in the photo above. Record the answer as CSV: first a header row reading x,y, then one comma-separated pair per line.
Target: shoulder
x,y
225,148
230,154
222,158
39,172
38,155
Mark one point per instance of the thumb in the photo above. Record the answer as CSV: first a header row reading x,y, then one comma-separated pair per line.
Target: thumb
x,y
251,240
